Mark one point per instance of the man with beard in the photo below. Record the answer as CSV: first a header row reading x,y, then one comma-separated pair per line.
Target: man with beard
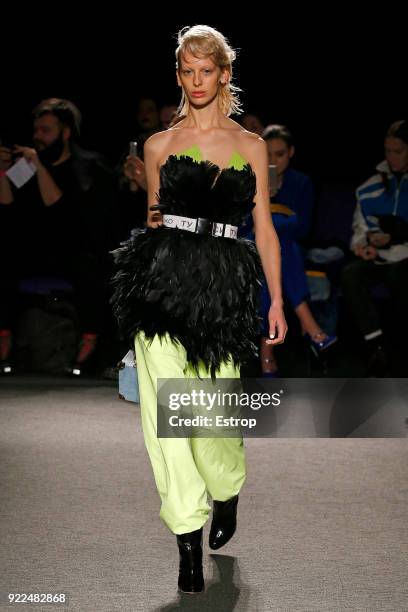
x,y
63,222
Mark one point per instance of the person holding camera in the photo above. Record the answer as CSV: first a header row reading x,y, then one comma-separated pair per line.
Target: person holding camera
x,y
130,175
130,171
380,246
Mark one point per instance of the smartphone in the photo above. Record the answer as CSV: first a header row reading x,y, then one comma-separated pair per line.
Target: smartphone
x,y
273,178
133,147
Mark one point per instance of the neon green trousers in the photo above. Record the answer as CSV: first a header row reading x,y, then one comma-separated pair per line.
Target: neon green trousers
x,y
185,469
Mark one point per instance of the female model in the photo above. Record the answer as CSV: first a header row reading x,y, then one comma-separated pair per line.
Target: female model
x,y
186,287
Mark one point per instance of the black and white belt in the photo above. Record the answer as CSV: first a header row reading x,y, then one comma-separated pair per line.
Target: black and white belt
x,y
201,226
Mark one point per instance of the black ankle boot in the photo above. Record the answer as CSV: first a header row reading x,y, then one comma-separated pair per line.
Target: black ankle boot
x,y
191,578
224,522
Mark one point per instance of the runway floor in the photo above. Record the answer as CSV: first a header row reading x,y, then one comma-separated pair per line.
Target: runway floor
x,y
322,523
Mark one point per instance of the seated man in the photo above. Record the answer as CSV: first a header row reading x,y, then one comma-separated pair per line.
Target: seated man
x,y
380,244
62,221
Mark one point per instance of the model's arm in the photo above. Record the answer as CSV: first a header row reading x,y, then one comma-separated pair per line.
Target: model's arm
x,y
152,151
266,240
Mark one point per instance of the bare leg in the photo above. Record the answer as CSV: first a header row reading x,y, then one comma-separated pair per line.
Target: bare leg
x,y
268,361
308,322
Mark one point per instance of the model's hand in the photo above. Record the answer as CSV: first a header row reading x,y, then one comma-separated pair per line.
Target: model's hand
x,y
277,325
29,154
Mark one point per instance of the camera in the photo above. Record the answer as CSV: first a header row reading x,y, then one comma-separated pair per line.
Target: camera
x,y
133,147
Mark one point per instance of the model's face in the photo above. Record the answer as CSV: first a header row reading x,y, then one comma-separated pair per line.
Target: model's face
x,y
200,78
47,129
279,154
396,152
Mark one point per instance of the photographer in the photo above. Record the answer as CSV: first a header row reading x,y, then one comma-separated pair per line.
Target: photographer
x,y
130,170
380,244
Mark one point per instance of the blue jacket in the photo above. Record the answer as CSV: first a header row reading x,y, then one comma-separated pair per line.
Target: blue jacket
x,y
296,192
374,201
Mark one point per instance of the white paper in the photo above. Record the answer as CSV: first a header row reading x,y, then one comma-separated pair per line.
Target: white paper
x,y
21,172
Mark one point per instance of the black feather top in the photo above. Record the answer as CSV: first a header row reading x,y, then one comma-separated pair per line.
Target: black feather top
x,y
200,289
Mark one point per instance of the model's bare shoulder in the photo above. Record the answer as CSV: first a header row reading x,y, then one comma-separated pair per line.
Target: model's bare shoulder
x,y
155,144
253,147
250,137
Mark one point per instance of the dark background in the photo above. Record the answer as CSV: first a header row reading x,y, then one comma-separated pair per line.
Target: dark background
x,y
337,81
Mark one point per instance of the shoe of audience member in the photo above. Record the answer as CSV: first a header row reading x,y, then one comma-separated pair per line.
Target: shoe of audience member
x,y
320,341
270,373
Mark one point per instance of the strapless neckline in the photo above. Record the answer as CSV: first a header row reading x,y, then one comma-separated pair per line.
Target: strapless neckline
x,y
200,289
196,155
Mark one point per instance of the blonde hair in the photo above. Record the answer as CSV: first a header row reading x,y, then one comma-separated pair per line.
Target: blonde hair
x,y
202,40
